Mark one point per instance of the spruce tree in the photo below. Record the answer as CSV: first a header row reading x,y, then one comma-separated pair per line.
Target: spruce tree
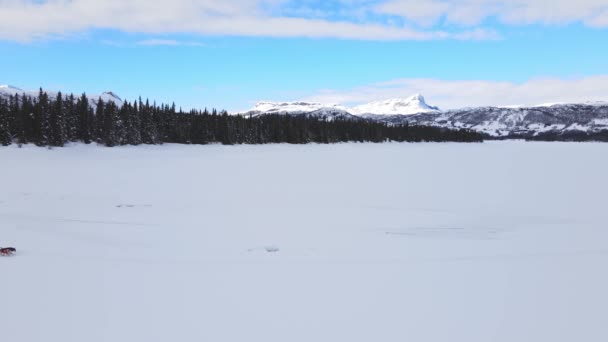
x,y
5,134
84,120
111,125
42,126
99,120
71,118
134,126
57,122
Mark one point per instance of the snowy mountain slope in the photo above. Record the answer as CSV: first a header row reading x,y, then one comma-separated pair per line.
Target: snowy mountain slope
x,y
107,96
527,121
269,107
495,121
300,108
398,106
8,90
402,106
332,113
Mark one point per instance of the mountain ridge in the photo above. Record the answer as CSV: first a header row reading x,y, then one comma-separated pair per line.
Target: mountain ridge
x,y
403,106
507,121
9,90
500,122
396,106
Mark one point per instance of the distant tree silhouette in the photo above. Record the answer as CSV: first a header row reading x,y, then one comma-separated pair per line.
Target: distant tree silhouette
x,y
55,121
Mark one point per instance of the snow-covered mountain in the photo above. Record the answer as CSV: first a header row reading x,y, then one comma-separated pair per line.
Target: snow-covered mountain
x,y
504,122
495,121
558,119
309,109
8,90
268,107
398,106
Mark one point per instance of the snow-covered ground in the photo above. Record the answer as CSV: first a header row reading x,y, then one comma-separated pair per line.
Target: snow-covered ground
x,y
503,241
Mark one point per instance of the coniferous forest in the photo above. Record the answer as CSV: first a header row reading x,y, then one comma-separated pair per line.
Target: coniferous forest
x,y
46,121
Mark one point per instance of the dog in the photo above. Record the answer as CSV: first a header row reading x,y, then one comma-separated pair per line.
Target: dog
x,y
6,251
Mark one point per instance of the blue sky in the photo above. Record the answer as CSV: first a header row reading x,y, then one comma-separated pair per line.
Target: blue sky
x,y
349,51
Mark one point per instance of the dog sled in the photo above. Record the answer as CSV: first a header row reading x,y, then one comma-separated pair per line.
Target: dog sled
x,y
7,251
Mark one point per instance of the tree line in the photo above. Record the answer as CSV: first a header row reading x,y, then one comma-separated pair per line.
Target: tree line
x,y
571,136
47,121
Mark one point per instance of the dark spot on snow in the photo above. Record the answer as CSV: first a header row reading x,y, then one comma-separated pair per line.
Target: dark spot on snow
x,y
267,249
133,205
271,249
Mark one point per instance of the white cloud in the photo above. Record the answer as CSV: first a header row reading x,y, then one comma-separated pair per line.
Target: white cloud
x,y
154,42
24,20
449,94
472,12
422,12
167,42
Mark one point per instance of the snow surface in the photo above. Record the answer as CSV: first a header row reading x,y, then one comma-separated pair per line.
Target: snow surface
x,y
269,107
502,241
300,108
8,90
399,106
552,104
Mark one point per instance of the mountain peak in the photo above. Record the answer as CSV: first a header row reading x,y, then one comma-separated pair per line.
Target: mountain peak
x,y
8,90
111,95
396,106
7,87
405,106
291,107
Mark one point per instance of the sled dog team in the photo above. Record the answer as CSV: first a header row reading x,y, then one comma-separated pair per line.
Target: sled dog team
x,y
6,251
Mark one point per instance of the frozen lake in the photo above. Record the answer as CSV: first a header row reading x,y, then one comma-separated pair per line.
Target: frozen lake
x,y
501,241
